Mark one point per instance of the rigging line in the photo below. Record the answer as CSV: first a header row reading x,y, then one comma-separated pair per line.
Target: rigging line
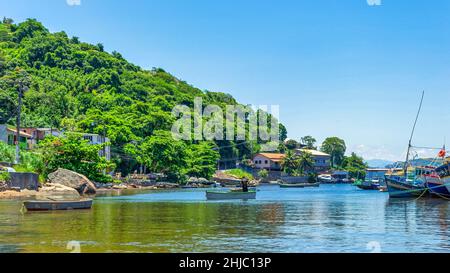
x,y
417,118
413,130
428,148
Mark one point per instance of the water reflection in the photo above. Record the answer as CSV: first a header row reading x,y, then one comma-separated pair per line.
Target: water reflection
x,y
328,219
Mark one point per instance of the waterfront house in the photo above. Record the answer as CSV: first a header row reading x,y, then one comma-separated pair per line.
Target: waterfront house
x,y
9,136
322,161
95,139
3,133
375,174
268,161
39,134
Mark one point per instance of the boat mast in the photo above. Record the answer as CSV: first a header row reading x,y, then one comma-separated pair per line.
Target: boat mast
x,y
412,135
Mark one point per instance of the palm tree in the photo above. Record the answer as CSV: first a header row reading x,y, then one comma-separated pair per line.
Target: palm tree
x,y
290,163
306,162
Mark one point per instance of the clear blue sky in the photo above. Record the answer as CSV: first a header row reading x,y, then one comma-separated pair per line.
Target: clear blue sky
x,y
335,67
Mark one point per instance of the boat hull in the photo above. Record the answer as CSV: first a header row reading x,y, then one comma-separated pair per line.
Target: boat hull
x,y
57,205
400,189
438,187
446,182
299,185
210,195
368,187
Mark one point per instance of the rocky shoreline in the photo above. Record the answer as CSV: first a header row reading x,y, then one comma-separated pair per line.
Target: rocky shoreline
x,y
70,185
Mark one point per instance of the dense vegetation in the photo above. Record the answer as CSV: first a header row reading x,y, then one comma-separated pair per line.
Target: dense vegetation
x,y
78,87
297,165
31,161
239,174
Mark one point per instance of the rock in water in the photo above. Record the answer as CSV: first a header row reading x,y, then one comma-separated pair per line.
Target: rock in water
x,y
50,189
73,180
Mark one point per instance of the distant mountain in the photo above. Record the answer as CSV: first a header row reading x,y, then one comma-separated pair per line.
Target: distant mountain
x,y
378,163
419,162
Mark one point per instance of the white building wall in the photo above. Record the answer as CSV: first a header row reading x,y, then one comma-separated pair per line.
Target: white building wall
x,y
265,162
3,134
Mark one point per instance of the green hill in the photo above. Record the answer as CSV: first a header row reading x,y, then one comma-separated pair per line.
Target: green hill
x,y
76,86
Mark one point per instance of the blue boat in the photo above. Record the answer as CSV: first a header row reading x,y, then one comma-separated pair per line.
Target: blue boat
x,y
442,187
438,188
401,187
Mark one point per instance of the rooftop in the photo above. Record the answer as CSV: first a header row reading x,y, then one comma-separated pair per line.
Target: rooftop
x,y
23,134
276,157
313,152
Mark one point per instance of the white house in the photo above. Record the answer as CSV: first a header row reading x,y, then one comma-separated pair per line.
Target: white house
x,y
268,161
322,161
95,139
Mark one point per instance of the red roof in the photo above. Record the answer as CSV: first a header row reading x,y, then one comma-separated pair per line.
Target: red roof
x,y
21,133
276,157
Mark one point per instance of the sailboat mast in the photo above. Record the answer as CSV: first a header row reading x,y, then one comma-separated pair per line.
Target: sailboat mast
x,y
412,134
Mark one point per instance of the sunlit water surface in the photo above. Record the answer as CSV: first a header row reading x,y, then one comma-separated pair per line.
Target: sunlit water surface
x,y
332,218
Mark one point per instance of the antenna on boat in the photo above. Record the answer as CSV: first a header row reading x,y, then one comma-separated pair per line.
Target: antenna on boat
x,y
412,134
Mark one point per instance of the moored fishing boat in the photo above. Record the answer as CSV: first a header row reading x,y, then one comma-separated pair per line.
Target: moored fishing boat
x,y
444,174
373,180
401,184
299,185
48,205
230,195
400,187
368,185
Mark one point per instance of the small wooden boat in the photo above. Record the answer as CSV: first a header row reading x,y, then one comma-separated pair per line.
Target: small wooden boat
x,y
38,205
368,185
299,185
230,195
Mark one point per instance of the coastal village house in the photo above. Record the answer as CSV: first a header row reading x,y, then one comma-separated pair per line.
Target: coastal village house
x,y
9,136
95,139
268,161
29,137
272,161
322,161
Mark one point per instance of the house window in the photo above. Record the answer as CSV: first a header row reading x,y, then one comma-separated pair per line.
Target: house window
x,y
88,138
265,162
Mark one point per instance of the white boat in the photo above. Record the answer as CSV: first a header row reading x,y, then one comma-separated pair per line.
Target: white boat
x,y
230,195
325,178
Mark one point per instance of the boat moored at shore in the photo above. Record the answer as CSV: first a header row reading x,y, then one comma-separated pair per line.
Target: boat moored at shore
x,y
50,205
230,195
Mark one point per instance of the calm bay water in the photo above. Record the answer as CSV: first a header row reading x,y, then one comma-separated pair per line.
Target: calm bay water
x,y
332,218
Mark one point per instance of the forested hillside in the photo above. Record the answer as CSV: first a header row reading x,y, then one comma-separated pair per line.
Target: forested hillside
x,y
76,86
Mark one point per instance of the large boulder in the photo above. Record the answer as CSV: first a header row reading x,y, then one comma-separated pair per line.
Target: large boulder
x,y
73,180
58,190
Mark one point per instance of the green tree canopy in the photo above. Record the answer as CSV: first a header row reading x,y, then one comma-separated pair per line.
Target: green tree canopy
x,y
309,142
74,153
290,163
355,165
335,147
291,144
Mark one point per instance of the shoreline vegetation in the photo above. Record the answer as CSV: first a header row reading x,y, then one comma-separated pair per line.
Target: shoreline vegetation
x,y
77,88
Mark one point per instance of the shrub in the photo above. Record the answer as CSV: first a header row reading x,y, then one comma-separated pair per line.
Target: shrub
x,y
240,174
